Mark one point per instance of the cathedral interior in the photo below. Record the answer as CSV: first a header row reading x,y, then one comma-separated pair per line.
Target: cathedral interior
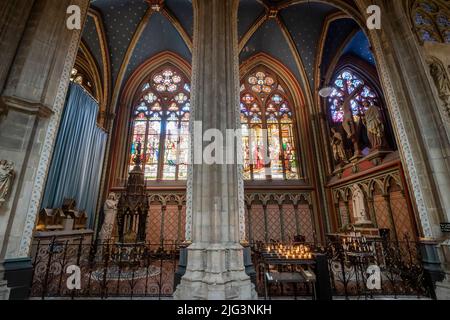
x,y
341,161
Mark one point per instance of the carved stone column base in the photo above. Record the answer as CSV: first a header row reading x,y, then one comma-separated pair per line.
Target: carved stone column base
x,y
4,290
443,287
215,272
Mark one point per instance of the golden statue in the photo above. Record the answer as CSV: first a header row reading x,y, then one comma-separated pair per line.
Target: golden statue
x,y
348,123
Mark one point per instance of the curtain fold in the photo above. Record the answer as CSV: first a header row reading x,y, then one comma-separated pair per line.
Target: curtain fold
x,y
77,162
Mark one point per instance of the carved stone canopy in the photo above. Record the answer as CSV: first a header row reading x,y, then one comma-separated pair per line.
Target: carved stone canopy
x,y
133,206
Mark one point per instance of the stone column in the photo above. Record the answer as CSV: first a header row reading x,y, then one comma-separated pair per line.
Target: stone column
x,y
13,17
32,103
215,268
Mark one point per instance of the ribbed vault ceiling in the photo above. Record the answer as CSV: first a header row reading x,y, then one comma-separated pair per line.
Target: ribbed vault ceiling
x,y
292,35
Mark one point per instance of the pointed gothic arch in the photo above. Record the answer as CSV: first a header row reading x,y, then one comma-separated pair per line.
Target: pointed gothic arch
x,y
127,106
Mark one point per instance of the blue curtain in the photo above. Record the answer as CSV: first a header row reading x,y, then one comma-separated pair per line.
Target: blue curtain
x,y
77,162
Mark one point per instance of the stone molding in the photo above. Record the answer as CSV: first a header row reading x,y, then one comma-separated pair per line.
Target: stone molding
x,y
14,103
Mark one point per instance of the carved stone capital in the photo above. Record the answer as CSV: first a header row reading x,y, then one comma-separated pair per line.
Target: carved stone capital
x,y
14,103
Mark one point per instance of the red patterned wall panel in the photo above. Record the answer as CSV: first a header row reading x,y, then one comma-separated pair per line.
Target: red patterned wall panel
x,y
154,224
258,227
382,213
306,225
273,222
290,229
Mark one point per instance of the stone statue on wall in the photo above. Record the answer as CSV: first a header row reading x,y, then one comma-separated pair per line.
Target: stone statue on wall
x,y
359,207
110,212
348,122
337,145
374,124
442,82
6,178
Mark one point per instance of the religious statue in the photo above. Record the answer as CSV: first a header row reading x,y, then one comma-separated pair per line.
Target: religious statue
x,y
348,123
6,177
441,81
337,145
110,212
374,124
359,208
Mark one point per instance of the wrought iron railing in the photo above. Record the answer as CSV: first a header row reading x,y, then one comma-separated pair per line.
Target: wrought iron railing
x,y
140,270
105,270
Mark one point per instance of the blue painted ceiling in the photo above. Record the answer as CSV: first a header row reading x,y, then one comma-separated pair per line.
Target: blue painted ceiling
x,y
339,32
120,19
249,11
91,39
304,21
359,46
159,35
182,9
270,39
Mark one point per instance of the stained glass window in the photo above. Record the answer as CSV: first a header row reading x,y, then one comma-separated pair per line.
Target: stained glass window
x,y
344,84
432,20
161,125
83,79
267,129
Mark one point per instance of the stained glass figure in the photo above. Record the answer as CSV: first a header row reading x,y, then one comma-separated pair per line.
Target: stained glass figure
x,y
267,129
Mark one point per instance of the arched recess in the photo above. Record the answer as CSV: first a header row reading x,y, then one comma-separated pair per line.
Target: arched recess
x,y
369,76
122,132
303,127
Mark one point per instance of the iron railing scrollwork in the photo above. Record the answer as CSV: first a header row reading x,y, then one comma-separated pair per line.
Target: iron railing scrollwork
x,y
106,270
